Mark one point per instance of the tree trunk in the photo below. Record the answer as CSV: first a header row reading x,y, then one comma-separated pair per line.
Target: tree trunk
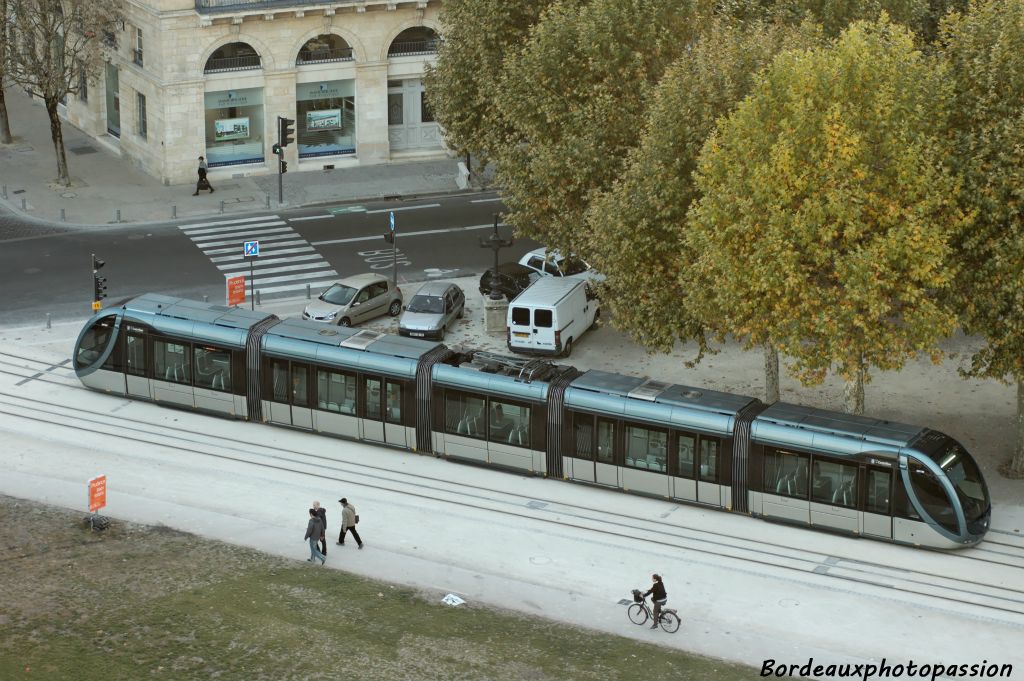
x,y
853,390
5,123
58,141
771,373
1017,462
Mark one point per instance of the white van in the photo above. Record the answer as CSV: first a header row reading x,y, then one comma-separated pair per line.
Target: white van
x,y
549,316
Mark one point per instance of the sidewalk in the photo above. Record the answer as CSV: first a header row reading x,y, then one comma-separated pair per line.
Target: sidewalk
x,y
103,183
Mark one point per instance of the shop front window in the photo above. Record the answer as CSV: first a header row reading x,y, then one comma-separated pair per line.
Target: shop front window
x,y
326,118
234,127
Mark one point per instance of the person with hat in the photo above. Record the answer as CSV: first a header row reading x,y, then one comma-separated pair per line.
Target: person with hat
x,y
348,522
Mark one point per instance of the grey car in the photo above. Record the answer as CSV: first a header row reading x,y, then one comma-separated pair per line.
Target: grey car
x,y
354,300
433,310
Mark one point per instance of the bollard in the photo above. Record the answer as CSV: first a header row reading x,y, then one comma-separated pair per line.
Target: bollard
x,y
221,206
5,195
206,299
268,198
174,212
307,291
47,320
117,215
23,207
257,296
63,216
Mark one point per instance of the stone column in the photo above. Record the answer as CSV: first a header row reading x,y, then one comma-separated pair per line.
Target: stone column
x,y
372,145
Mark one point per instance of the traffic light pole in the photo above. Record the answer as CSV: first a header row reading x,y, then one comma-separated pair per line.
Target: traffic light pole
x,y
280,179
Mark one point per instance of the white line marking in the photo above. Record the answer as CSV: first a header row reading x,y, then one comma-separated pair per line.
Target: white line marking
x,y
258,271
229,222
227,258
259,235
234,228
310,217
299,277
388,210
270,261
314,284
401,234
267,246
496,198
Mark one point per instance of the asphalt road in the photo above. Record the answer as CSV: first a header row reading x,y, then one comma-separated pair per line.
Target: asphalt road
x,y
46,268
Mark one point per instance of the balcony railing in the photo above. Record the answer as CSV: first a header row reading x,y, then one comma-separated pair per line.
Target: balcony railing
x,y
214,5
411,48
251,61
324,56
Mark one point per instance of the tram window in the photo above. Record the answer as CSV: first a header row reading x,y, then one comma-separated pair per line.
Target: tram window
x,y
371,397
785,474
583,435
171,362
300,385
509,423
135,354
685,444
932,496
708,460
878,492
834,484
394,403
94,342
605,441
464,414
279,380
213,368
646,449
336,391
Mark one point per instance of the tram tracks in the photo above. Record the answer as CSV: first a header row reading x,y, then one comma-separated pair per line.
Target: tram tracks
x,y
697,544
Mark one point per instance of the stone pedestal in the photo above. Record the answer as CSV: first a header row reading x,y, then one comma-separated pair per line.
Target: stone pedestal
x,y
495,314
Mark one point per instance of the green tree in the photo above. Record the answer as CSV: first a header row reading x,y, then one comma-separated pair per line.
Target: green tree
x,y
462,86
835,15
985,51
56,43
576,96
638,225
826,217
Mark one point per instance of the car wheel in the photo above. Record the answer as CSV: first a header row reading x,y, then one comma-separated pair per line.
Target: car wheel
x,y
462,312
395,309
345,321
567,350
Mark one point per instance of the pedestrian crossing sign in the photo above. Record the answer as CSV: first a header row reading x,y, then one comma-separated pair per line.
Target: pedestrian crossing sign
x,y
252,249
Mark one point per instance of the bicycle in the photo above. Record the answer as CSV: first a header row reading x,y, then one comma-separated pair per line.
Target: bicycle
x,y
639,613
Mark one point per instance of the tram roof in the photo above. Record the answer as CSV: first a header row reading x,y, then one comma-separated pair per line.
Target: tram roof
x,y
661,393
353,338
193,310
803,424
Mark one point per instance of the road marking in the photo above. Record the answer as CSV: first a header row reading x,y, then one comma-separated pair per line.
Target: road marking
x,y
395,210
400,233
236,221
310,217
259,234
496,198
234,228
234,248
283,251
346,209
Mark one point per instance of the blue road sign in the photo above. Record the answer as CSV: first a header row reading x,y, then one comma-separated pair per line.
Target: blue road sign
x,y
391,219
252,249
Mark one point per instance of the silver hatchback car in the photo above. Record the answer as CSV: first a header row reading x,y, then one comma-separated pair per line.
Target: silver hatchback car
x,y
355,299
433,310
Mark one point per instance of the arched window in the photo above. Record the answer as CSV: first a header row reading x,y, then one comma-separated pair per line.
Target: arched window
x,y
324,48
413,41
233,57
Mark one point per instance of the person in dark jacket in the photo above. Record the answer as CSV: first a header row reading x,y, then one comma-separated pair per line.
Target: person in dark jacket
x,y
203,183
314,529
659,596
322,512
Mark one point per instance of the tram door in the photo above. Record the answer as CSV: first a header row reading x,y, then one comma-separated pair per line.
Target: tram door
x,y
135,364
878,502
371,401
302,412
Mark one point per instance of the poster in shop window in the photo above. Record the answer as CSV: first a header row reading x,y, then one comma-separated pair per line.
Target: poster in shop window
x,y
227,129
327,119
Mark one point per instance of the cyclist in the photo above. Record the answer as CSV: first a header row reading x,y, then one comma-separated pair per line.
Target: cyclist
x,y
659,596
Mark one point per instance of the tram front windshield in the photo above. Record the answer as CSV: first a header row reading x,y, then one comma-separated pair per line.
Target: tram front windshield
x,y
94,342
965,476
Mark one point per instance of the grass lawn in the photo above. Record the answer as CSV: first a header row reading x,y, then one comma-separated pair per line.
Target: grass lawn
x,y
138,602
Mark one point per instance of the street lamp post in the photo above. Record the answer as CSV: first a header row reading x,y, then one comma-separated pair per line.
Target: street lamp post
x,y
495,243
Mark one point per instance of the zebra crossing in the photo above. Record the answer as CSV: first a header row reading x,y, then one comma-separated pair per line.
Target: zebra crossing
x,y
286,264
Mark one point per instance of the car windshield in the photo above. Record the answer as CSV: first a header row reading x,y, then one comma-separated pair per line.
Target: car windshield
x,y
572,265
429,304
338,294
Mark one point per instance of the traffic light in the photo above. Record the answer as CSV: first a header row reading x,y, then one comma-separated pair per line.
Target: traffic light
x,y
389,236
284,167
286,131
99,284
276,149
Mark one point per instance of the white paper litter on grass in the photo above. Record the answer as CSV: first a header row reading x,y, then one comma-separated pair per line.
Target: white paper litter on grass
x,y
452,599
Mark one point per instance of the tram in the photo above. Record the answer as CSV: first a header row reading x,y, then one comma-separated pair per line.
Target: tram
x,y
810,467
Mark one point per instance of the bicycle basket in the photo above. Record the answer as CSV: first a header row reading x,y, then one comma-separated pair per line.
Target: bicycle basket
x,y
637,596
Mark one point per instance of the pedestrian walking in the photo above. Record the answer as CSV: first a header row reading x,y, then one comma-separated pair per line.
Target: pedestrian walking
x,y
314,529
348,522
203,183
322,513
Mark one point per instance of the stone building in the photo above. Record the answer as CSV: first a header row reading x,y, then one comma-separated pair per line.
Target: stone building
x,y
211,77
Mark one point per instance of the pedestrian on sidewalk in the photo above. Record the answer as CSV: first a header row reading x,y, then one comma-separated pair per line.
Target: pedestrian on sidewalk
x,y
322,513
314,529
203,183
348,522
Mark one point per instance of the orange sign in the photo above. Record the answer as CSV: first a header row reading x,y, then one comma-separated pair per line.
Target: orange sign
x,y
97,493
236,290
96,306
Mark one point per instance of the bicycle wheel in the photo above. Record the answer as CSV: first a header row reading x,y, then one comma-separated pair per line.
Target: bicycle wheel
x,y
670,622
637,613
